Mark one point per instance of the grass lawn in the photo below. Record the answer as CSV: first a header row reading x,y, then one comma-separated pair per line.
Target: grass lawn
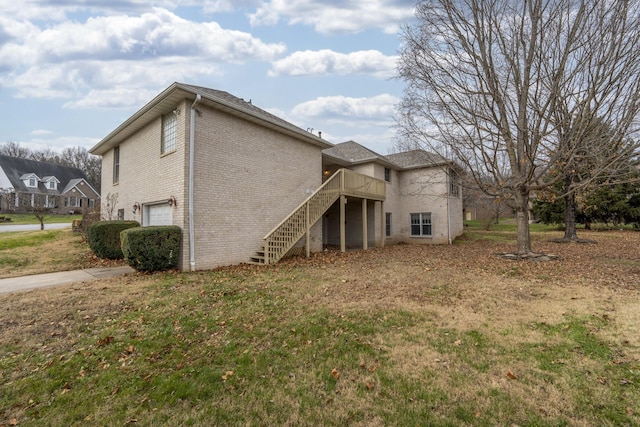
x,y
405,335
44,251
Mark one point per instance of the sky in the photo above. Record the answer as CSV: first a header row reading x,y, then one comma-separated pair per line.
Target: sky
x,y
71,71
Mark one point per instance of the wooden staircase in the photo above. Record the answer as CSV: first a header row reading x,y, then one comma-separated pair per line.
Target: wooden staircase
x,y
285,235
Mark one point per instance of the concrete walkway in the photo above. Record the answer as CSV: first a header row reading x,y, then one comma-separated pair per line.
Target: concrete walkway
x,y
35,281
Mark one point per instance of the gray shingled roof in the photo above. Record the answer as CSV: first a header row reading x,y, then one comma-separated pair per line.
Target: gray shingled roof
x,y
240,103
416,159
15,168
178,92
352,152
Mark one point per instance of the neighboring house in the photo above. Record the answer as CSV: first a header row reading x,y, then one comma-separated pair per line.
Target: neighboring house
x,y
239,180
28,184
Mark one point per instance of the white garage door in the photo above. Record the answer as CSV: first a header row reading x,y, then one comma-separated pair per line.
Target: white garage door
x,y
160,215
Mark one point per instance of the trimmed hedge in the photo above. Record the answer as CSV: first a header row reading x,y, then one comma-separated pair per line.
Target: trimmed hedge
x,y
104,238
153,248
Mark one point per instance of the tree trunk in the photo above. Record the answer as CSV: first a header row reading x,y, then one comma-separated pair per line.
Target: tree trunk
x,y
522,222
570,232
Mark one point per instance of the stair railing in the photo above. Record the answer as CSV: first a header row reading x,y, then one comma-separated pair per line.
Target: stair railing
x,y
282,238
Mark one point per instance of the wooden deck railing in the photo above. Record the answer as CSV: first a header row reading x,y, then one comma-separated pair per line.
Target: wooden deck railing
x,y
342,183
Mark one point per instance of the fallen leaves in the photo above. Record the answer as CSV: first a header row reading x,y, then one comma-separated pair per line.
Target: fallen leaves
x,y
335,374
105,341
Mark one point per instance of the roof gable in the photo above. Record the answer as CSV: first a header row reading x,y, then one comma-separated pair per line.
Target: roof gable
x,y
178,93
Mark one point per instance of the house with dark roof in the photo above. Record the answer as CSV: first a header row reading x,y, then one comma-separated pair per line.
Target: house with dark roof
x,y
27,184
247,186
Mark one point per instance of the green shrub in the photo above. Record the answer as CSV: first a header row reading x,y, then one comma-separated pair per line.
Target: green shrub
x,y
152,248
104,238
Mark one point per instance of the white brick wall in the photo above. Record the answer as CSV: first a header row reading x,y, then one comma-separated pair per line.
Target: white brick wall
x,y
148,177
248,178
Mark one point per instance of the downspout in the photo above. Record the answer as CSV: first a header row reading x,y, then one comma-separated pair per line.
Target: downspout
x,y
448,193
192,244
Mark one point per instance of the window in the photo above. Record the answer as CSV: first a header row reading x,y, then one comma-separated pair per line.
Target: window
x,y
454,185
121,214
387,174
73,200
32,182
387,223
421,224
92,203
116,165
169,122
52,185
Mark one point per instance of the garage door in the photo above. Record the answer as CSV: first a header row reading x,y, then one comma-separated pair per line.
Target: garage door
x,y
160,215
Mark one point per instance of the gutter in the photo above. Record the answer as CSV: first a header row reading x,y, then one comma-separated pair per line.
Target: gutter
x,y
192,246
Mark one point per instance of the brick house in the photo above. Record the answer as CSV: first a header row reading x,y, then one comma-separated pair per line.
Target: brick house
x,y
245,185
27,184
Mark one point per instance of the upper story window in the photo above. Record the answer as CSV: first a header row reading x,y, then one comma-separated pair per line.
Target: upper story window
x,y
116,164
30,180
387,174
169,123
50,182
454,183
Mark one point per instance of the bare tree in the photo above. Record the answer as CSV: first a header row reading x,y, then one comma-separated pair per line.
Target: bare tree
x,y
14,149
493,83
39,204
110,202
47,155
80,158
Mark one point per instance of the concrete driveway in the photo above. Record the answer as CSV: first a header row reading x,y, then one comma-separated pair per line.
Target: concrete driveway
x,y
25,283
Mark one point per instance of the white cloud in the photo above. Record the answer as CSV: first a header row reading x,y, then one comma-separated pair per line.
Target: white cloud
x,y
346,16
305,63
38,132
156,47
341,109
158,33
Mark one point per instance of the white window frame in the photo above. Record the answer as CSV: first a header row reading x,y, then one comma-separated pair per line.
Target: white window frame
x,y
169,133
32,183
116,164
387,224
422,220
